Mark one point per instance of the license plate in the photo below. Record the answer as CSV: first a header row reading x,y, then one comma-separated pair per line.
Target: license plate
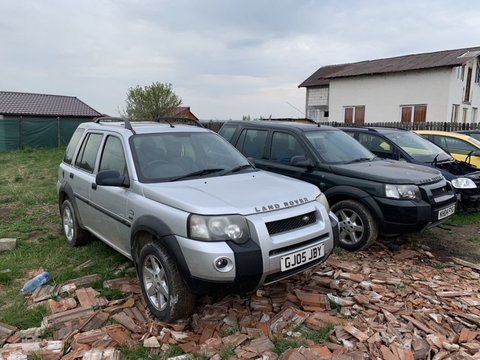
x,y
301,257
443,213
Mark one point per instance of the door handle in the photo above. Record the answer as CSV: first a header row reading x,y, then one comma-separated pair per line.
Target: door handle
x,y
94,186
71,175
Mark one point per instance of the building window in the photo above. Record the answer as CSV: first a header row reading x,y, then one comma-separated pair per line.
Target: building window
x,y
477,74
464,115
467,87
474,114
354,114
414,113
455,112
460,72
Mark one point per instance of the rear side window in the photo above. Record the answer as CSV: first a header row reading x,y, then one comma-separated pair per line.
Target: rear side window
x,y
88,153
72,145
113,157
376,145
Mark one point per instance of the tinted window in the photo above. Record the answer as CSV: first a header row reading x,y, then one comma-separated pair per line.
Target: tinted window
x,y
254,143
113,157
72,145
88,153
284,147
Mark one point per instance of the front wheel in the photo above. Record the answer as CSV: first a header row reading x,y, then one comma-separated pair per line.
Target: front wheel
x,y
358,229
166,294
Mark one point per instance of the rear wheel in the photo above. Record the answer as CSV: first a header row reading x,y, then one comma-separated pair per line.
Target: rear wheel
x,y
74,234
358,229
166,294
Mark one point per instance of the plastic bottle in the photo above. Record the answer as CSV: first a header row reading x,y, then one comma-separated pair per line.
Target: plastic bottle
x,y
34,283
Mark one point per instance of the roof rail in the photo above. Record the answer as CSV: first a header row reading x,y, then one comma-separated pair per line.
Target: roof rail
x,y
127,123
168,120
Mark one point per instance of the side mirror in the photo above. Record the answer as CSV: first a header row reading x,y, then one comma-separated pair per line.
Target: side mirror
x,y
300,161
111,178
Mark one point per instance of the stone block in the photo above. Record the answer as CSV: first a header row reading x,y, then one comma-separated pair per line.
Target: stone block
x,y
7,244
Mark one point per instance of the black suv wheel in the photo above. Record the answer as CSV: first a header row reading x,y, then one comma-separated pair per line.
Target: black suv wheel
x,y
358,229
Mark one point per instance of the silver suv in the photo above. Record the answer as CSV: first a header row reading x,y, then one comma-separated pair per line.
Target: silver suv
x,y
189,209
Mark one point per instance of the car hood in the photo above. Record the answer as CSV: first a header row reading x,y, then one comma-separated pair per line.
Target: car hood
x,y
389,171
244,194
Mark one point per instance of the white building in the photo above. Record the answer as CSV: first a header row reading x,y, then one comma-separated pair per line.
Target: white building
x,y
442,86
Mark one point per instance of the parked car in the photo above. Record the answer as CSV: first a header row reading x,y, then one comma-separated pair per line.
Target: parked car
x,y
368,195
191,211
403,145
472,133
461,147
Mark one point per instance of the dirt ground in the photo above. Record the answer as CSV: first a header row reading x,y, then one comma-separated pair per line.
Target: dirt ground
x,y
444,242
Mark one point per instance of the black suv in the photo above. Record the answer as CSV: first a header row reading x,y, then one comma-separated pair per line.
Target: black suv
x,y
404,145
368,195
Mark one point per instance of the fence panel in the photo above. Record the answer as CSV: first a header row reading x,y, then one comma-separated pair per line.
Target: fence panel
x,y
40,132
9,134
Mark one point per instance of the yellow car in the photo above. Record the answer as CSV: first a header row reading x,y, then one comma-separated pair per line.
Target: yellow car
x,y
461,147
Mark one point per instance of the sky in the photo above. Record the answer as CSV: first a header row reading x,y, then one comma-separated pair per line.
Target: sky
x,y
225,59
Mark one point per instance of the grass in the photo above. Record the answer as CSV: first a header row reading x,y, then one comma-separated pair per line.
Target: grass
x,y
29,212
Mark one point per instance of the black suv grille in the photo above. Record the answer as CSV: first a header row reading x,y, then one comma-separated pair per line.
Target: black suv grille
x,y
295,222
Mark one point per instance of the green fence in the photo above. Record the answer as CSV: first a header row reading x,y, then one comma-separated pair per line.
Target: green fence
x,y
36,132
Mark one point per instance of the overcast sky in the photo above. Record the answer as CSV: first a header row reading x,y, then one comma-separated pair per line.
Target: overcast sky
x,y
225,59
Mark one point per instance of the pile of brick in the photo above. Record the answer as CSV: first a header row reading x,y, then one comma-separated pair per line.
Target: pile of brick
x,y
374,304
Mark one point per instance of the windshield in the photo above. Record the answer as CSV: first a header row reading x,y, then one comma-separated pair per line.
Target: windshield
x,y
176,156
418,147
336,147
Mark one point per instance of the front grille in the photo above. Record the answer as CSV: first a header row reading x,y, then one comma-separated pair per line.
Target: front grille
x,y
279,226
441,191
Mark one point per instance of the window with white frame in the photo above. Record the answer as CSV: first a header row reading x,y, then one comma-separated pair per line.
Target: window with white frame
x,y
455,113
354,114
413,113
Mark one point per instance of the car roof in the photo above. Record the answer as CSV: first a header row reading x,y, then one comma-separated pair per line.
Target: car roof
x,y
145,127
443,133
281,125
468,131
377,129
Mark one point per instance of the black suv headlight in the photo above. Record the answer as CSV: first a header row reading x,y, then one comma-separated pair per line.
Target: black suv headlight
x,y
404,192
218,228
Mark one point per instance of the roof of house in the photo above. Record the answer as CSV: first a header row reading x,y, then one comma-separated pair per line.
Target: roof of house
x,y
17,103
180,110
446,58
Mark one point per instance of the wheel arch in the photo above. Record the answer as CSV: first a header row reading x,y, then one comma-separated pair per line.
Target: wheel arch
x,y
339,193
148,229
66,193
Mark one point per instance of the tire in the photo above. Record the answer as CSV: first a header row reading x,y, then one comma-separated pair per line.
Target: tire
x,y
358,229
74,234
164,290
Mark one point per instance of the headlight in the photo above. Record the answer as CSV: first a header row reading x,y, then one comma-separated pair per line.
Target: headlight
x,y
218,228
405,192
463,183
322,199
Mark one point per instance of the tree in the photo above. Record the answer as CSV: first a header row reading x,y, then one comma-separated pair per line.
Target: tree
x,y
150,102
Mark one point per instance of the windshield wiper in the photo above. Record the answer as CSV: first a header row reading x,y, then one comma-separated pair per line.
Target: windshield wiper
x,y
359,160
237,169
197,173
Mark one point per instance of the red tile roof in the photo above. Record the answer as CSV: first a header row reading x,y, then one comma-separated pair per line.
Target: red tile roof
x,y
17,103
446,58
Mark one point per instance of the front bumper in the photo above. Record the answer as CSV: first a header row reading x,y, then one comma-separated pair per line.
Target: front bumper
x,y
257,262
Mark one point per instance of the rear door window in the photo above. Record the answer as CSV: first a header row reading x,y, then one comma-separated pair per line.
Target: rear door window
x,y
88,153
